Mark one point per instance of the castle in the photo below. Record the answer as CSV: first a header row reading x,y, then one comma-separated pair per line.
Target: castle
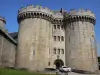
x,y
50,39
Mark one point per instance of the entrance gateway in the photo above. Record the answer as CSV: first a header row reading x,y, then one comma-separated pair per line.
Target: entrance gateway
x,y
58,63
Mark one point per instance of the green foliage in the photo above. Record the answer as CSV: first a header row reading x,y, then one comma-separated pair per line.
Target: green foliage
x,y
18,72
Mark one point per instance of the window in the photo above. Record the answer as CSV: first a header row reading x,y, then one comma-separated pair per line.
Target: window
x,y
69,39
54,26
62,27
58,26
58,38
54,50
48,63
54,38
58,51
62,38
62,51
92,36
92,28
49,50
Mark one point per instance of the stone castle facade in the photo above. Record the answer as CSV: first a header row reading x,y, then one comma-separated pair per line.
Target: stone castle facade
x,y
50,39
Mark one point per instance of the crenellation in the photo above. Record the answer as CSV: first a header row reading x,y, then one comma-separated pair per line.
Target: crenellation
x,y
72,11
29,7
3,19
82,12
43,10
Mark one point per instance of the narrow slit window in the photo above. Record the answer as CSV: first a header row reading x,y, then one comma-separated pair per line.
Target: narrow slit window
x,y
54,26
62,51
58,26
62,38
69,39
62,27
54,38
48,63
58,51
58,38
54,50
49,50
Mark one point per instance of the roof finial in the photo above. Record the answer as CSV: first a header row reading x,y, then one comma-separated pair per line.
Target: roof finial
x,y
62,11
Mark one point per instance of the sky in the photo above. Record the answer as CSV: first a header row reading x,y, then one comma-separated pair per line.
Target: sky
x,y
9,10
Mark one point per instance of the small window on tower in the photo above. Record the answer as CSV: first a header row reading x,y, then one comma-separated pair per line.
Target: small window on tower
x,y
58,26
48,63
54,26
62,38
62,51
49,50
61,26
69,39
58,51
54,50
58,38
93,36
54,38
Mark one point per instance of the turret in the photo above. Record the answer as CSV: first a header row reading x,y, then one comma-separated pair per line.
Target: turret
x,y
80,41
2,22
34,37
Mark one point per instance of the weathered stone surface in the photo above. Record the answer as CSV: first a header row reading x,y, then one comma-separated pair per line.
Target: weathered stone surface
x,y
40,43
80,42
7,51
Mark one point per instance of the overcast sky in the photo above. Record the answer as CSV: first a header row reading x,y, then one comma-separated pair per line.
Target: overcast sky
x,y
9,9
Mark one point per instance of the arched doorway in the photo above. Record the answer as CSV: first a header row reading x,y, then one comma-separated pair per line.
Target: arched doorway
x,y
58,63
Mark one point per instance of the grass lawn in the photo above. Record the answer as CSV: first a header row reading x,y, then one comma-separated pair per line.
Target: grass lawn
x,y
18,72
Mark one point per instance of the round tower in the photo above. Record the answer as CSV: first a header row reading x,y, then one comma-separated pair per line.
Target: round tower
x,y
80,41
34,37
2,22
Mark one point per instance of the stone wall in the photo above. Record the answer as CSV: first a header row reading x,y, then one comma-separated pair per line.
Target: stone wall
x,y
33,44
7,50
35,38
80,42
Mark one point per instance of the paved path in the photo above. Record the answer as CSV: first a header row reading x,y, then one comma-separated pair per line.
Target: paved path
x,y
72,73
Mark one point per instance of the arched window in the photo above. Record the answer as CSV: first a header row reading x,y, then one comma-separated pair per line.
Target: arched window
x,y
62,51
58,38
58,51
54,26
62,38
54,38
54,50
58,26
